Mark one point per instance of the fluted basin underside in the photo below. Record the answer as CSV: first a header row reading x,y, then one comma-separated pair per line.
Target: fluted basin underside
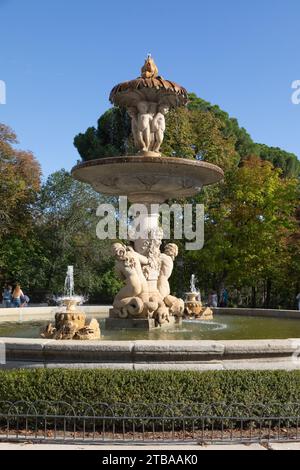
x,y
142,178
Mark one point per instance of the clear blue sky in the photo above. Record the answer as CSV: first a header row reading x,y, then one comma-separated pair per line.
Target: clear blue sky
x,y
60,59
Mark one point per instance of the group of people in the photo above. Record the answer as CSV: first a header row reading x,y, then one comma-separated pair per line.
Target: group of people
x,y
222,301
215,301
14,297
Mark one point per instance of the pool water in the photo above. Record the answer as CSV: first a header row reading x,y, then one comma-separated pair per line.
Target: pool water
x,y
222,327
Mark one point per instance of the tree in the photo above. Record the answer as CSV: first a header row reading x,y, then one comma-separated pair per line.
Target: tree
x,y
244,145
287,161
19,186
201,130
250,226
198,134
66,228
112,136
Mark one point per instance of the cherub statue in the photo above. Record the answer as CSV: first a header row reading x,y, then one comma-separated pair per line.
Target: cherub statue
x,y
146,112
129,268
167,265
158,127
132,112
176,306
141,119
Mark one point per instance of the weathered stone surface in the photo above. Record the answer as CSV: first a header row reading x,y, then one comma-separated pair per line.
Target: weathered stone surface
x,y
21,349
284,446
136,176
145,272
91,365
96,351
178,366
10,365
249,354
214,347
71,323
183,351
19,343
91,331
261,364
257,348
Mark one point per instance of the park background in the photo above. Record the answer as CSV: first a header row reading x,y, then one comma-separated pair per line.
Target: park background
x,y
59,61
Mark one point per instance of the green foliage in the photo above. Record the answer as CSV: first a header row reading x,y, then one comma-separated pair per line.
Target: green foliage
x,y
171,387
63,232
252,234
198,134
19,184
111,138
288,162
244,145
251,237
202,130
66,227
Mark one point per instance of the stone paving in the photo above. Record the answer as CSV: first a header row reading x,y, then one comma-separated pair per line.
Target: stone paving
x,y
156,447
100,448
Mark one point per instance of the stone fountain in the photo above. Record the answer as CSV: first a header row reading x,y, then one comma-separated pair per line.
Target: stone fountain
x,y
147,178
193,305
69,322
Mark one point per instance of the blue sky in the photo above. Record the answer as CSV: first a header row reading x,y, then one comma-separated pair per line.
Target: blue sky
x,y
60,59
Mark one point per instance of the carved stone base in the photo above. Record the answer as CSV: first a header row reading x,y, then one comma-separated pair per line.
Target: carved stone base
x,y
206,314
72,325
147,324
148,153
194,309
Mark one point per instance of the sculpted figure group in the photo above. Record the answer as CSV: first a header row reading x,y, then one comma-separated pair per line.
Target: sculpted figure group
x,y
148,125
142,297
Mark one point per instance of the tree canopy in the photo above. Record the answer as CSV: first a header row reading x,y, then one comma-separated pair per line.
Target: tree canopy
x,y
252,218
19,184
201,130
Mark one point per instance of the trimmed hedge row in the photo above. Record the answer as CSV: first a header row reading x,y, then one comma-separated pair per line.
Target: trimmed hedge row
x,y
111,386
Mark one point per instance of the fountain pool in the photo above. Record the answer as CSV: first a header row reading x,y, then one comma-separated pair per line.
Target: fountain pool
x,y
222,327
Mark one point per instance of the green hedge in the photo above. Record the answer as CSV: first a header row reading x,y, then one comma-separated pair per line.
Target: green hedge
x,y
170,387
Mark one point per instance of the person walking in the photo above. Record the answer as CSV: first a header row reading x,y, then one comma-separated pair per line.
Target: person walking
x,y
213,299
24,300
7,296
298,299
16,296
224,298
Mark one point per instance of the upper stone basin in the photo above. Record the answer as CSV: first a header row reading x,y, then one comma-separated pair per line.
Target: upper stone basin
x,y
147,179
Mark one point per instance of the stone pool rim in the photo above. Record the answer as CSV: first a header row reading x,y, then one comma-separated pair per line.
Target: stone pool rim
x,y
256,354
153,354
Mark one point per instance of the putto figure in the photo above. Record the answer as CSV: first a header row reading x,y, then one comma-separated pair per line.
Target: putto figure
x,y
148,99
159,127
148,126
175,305
145,118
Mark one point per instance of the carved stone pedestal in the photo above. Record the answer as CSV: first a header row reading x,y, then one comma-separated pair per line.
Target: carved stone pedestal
x,y
71,324
194,309
145,301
